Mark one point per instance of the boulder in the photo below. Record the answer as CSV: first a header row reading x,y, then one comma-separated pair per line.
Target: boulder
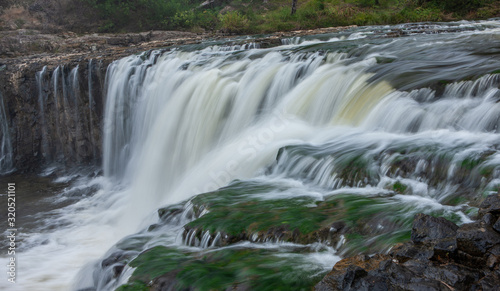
x,y
476,239
490,205
429,229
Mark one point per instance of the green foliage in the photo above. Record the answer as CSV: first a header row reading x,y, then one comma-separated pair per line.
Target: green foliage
x,y
460,6
207,19
141,14
234,22
246,16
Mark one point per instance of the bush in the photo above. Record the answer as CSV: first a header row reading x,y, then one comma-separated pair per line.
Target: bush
x,y
140,14
233,22
453,5
207,19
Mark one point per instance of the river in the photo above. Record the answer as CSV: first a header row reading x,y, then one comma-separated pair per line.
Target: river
x,y
322,147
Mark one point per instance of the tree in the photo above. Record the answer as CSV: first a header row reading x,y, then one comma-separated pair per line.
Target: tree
x,y
294,6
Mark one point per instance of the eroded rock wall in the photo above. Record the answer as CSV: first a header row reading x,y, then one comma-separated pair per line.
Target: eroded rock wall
x,y
54,111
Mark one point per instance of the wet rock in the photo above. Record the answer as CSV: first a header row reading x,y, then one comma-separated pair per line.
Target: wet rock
x,y
490,205
445,247
469,260
490,281
428,229
475,239
405,252
488,219
495,250
496,226
337,226
117,257
440,256
117,270
492,261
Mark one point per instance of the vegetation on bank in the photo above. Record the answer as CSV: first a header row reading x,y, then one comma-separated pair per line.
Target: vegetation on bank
x,y
263,16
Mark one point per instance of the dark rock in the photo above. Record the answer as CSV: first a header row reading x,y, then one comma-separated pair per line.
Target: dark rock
x,y
475,239
408,251
117,270
469,260
429,229
490,281
445,247
118,257
353,274
337,226
492,261
488,219
490,205
495,250
496,226
439,257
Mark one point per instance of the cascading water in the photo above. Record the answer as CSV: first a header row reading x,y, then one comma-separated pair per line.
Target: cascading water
x,y
352,131
6,158
42,101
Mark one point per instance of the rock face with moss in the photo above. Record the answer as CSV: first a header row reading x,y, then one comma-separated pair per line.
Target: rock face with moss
x,y
440,256
242,212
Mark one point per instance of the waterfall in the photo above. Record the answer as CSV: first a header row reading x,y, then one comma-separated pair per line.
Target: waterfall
x,y
6,155
376,128
42,100
67,113
91,106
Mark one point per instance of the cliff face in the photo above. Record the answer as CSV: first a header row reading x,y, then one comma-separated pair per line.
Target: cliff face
x,y
53,112
53,101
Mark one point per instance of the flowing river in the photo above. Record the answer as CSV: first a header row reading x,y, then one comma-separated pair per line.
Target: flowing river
x,y
323,147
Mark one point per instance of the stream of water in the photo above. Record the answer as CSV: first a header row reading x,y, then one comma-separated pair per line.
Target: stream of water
x,y
355,126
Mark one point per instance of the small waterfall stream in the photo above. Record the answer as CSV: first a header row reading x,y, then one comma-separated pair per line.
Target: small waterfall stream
x,y
6,155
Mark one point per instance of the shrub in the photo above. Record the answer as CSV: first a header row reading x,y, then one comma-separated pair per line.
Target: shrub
x,y
453,5
233,22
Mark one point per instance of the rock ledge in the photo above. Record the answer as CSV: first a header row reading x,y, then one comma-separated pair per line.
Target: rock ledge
x,y
440,256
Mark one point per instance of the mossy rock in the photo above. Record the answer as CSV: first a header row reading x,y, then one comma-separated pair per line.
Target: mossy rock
x,y
254,268
239,212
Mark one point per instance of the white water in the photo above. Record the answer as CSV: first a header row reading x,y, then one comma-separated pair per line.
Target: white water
x,y
181,123
6,155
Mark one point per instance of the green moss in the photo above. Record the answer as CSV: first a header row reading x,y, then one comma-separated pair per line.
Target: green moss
x,y
133,242
399,187
156,262
470,163
134,286
456,201
260,269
